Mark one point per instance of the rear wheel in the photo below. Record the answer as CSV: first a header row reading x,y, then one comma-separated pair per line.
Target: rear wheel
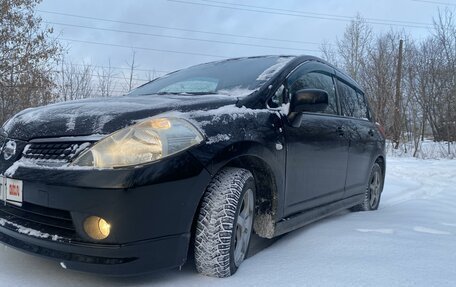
x,y
373,190
225,223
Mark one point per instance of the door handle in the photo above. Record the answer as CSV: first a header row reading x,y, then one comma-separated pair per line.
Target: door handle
x,y
340,131
371,132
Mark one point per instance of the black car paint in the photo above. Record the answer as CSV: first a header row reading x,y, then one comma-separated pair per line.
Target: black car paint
x,y
103,116
316,163
305,168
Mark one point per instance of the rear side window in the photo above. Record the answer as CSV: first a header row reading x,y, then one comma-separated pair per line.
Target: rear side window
x,y
352,103
315,80
365,114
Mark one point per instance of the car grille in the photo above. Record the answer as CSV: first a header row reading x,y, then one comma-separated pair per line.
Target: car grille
x,y
64,152
44,219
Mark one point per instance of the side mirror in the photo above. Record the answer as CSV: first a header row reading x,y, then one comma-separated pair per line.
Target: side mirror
x,y
309,100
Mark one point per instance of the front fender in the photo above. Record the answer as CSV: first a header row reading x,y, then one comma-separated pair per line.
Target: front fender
x,y
243,137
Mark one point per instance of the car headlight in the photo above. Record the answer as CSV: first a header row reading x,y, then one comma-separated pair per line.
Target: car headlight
x,y
141,143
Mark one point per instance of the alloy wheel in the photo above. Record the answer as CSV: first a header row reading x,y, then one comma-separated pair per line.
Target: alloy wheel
x,y
374,189
243,227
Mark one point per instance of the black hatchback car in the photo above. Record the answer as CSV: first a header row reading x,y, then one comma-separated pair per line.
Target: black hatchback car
x,y
196,160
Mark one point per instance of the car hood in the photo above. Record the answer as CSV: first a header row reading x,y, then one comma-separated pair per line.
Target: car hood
x,y
103,115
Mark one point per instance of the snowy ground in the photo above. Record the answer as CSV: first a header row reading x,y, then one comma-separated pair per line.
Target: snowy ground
x,y
409,241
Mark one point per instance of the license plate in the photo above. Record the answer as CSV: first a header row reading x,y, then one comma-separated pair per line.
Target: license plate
x,y
13,190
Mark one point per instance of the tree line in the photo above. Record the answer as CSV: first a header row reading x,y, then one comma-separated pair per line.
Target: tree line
x,y
410,84
34,70
27,57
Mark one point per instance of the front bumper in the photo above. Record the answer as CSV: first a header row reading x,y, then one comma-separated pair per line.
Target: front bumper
x,y
114,259
150,209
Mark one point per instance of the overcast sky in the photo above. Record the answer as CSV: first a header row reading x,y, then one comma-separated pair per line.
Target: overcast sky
x,y
285,27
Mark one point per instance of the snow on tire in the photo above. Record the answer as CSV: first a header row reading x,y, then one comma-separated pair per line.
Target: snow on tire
x,y
225,222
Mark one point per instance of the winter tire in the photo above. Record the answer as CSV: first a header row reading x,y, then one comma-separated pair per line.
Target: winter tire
x,y
225,223
373,190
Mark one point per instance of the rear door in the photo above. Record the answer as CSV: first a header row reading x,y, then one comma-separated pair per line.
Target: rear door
x,y
317,150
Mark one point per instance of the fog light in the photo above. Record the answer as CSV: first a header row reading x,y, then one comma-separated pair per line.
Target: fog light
x,y
96,227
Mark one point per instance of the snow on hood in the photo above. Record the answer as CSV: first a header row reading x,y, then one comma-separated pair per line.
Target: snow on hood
x,y
219,114
212,121
102,115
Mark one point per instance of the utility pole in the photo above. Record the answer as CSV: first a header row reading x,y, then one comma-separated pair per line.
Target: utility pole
x,y
398,100
132,71
448,136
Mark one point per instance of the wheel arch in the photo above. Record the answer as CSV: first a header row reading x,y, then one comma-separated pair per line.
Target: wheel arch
x,y
264,163
266,194
382,163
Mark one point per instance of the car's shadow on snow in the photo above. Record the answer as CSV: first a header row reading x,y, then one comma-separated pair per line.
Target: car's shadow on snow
x,y
172,277
257,245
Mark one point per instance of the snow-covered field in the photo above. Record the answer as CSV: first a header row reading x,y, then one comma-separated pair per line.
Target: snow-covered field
x,y
409,241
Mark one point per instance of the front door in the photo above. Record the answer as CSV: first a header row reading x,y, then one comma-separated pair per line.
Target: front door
x,y
317,150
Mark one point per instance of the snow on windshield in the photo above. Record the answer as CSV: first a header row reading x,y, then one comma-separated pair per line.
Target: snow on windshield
x,y
236,92
246,74
271,71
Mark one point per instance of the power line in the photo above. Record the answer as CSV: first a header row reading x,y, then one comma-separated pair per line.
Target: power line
x,y
377,22
144,48
121,68
24,86
43,87
116,68
102,76
175,37
317,14
177,29
435,2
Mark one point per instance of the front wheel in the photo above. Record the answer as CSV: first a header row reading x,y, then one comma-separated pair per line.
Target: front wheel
x,y
225,223
373,190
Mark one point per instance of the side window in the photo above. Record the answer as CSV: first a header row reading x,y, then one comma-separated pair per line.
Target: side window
x,y
315,80
352,103
364,110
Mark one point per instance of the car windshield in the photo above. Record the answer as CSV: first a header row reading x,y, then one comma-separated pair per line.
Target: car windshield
x,y
236,77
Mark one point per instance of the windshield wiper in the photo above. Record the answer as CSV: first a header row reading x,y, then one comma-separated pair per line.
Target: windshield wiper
x,y
167,93
186,93
201,93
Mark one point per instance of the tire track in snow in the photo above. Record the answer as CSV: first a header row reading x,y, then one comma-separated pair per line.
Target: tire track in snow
x,y
403,183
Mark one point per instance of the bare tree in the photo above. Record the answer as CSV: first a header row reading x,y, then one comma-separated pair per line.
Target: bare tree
x,y
106,84
74,82
130,77
329,53
151,75
445,35
353,48
379,77
27,56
